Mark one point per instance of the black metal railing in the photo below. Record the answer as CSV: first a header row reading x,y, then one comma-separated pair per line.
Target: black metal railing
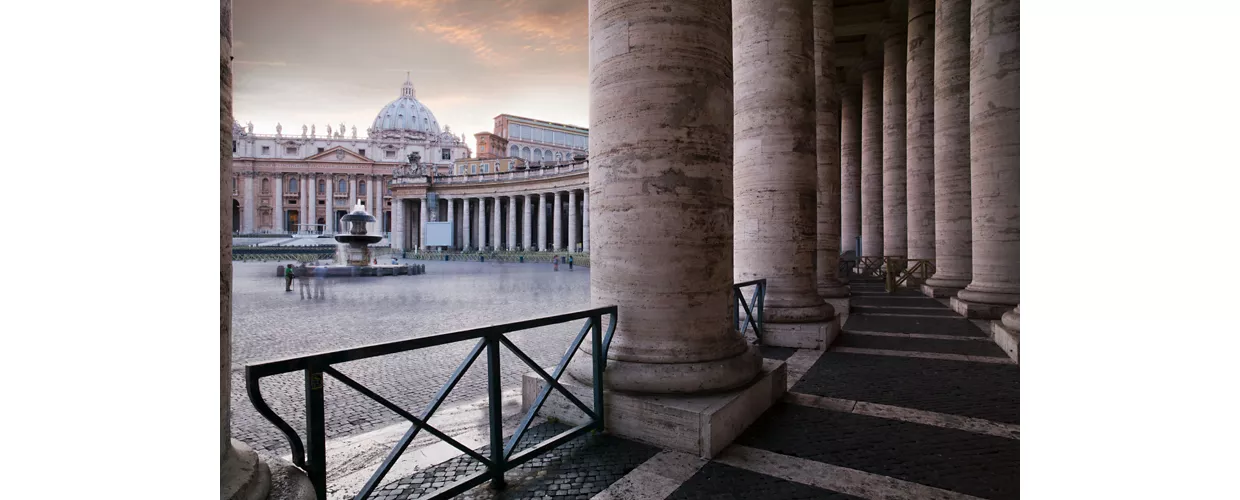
x,y
311,456
753,315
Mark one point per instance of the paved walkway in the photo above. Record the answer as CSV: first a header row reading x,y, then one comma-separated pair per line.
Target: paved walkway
x,y
912,401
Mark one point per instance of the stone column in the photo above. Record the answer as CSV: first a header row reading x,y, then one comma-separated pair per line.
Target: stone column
x,y
422,222
953,212
528,233
850,167
511,244
247,211
919,145
307,201
497,212
482,222
243,474
827,103
373,207
994,124
775,167
572,220
353,191
398,224
871,159
277,212
331,205
556,215
452,220
664,254
895,201
466,235
542,222
585,219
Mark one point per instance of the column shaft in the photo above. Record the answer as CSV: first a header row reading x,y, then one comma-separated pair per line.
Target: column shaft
x,y
422,222
511,244
528,231
466,235
482,223
827,148
775,167
664,214
572,220
557,214
895,202
953,211
850,168
277,211
330,218
452,221
994,122
542,222
585,220
872,160
497,212
919,124
247,215
398,224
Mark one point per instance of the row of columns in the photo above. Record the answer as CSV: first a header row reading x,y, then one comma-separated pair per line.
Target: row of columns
x,y
477,230
307,200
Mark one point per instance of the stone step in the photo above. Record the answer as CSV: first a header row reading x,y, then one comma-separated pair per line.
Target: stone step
x,y
965,345
904,324
915,311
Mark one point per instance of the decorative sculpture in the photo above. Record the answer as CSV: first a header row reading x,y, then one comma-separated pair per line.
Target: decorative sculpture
x,y
278,128
355,131
329,130
303,130
341,129
311,130
249,127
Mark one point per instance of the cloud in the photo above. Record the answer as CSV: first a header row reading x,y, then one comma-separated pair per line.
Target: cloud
x,y
465,36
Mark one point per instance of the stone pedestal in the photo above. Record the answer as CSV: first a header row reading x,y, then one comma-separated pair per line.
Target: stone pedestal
x,y
978,310
1006,333
701,424
816,335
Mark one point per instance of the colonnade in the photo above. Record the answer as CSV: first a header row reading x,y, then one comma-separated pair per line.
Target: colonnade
x,y
307,194
555,220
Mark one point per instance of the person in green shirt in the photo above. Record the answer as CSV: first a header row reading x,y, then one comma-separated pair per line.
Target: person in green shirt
x,y
288,278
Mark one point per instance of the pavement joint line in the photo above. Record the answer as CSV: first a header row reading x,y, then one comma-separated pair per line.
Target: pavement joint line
x,y
902,315
929,355
944,420
800,362
916,335
654,479
831,477
901,307
874,295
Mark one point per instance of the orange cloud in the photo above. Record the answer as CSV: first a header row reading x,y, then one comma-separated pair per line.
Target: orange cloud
x,y
465,36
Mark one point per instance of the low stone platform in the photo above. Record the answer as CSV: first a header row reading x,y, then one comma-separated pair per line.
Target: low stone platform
x,y
355,271
977,310
699,425
818,335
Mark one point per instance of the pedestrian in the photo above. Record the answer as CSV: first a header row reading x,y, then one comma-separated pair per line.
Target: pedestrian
x,y
288,278
570,262
320,276
303,281
555,263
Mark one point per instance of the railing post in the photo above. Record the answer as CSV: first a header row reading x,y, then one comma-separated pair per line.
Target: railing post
x,y
316,448
596,349
496,405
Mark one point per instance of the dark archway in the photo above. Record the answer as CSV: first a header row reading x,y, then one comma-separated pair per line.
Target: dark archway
x,y
236,216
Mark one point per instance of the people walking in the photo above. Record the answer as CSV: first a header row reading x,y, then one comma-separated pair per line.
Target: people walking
x,y
288,278
555,263
320,276
303,281
570,262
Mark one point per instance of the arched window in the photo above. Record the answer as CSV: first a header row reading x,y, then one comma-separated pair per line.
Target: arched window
x,y
537,154
322,186
525,153
547,155
558,156
266,185
361,187
340,186
514,151
292,185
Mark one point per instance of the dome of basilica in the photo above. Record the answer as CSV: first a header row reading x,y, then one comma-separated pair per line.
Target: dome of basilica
x,y
406,114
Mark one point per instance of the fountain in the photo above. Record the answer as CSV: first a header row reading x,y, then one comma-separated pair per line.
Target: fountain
x,y
354,255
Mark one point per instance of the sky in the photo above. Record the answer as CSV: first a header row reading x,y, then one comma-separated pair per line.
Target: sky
x,y
330,61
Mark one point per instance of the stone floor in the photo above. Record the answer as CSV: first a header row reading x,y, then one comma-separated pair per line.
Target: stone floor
x,y
905,405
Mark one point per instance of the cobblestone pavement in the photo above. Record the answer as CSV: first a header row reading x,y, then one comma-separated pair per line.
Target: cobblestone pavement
x,y
269,323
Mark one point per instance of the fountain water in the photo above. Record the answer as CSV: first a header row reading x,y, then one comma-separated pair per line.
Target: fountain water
x,y
354,255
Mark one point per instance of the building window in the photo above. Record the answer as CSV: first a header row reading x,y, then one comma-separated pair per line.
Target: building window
x,y
361,187
234,146
484,168
445,154
389,154
362,152
514,151
266,150
292,150
322,187
292,185
266,186
320,150
473,168
340,186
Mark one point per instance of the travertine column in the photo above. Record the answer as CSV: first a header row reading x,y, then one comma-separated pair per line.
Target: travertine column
x,y
661,185
871,159
895,201
994,123
482,223
373,207
277,212
422,223
850,167
585,220
528,233
511,244
353,192
827,104
557,214
497,213
572,220
919,118
247,214
542,222
398,224
452,220
953,211
330,219
775,167
466,235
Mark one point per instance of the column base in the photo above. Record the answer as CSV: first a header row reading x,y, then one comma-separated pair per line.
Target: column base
x,y
246,476
817,335
833,290
1008,339
939,292
978,310
674,378
699,424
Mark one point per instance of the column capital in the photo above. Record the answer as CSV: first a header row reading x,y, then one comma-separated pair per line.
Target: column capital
x,y
893,28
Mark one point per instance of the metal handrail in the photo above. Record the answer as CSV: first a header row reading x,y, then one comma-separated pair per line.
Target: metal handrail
x,y
898,271
311,456
753,315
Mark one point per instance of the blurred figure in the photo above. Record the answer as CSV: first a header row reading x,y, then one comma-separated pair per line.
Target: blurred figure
x,y
288,278
555,263
570,262
303,281
320,276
